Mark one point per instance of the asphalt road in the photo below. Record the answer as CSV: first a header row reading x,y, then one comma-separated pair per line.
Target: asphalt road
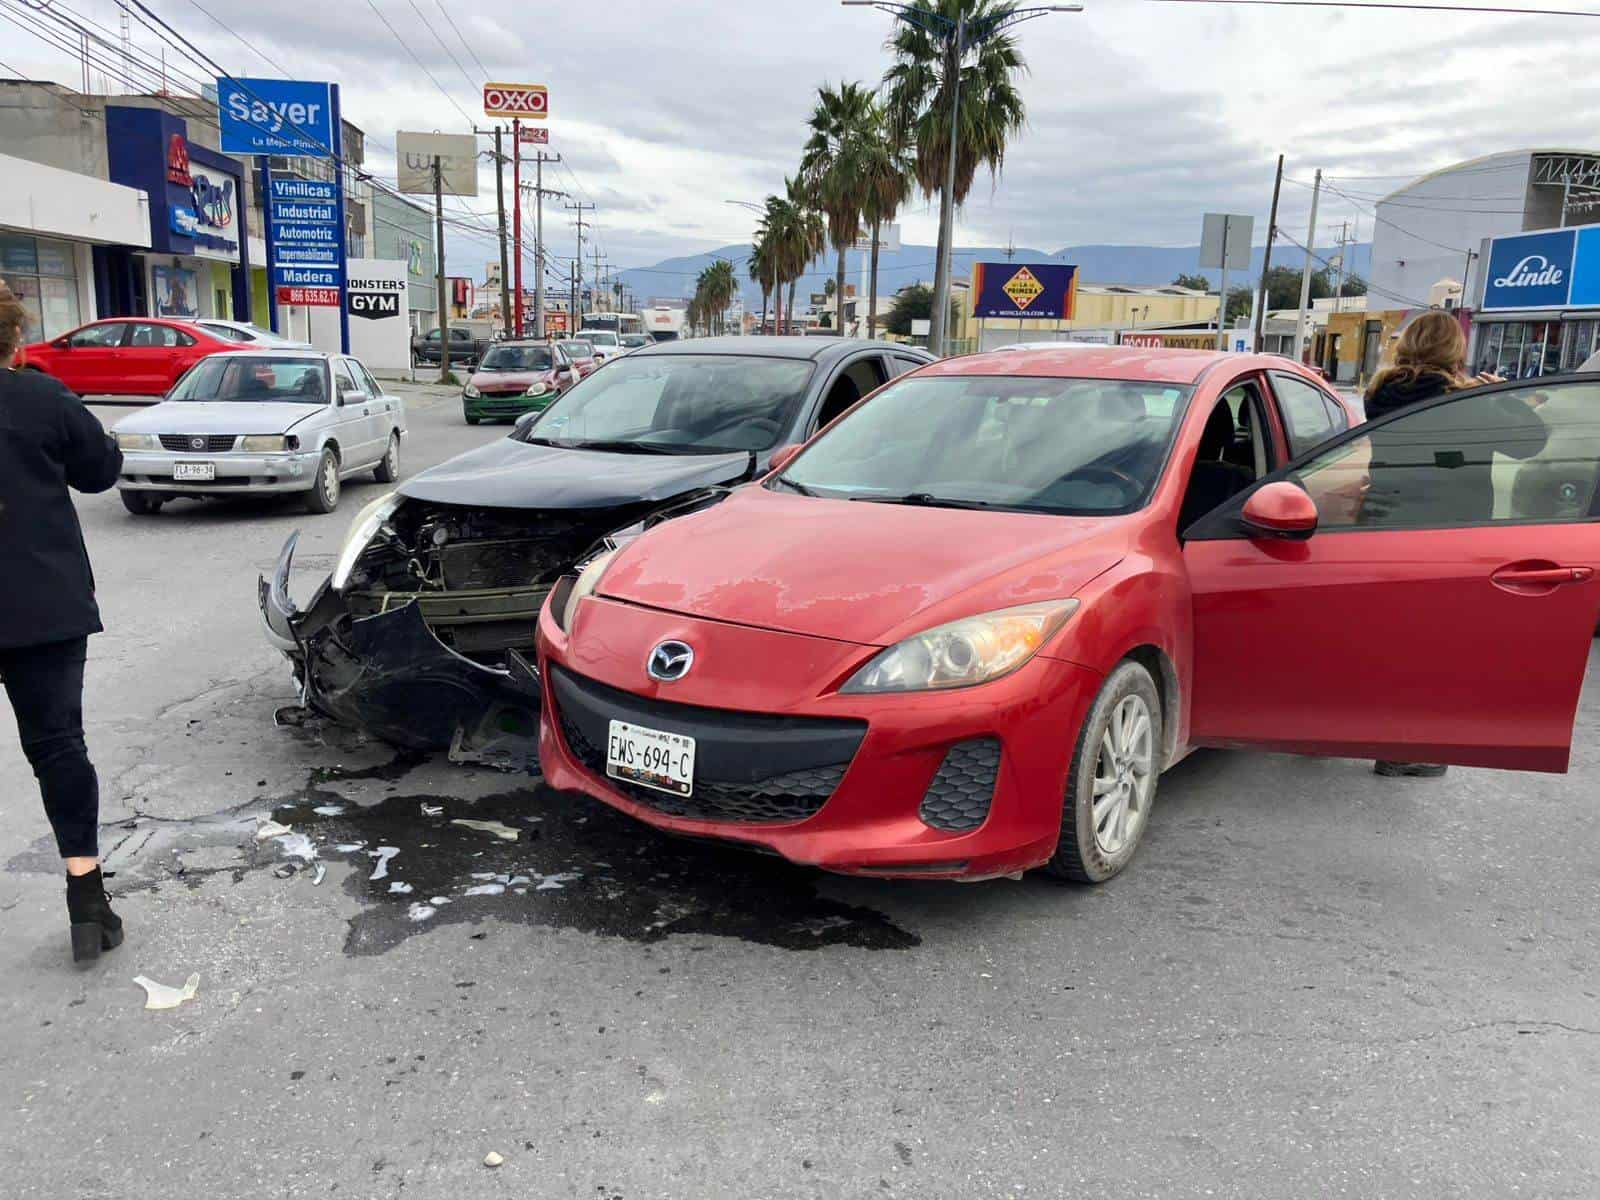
x,y
1311,982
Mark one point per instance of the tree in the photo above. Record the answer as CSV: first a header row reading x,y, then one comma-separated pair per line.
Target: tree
x,y
791,234
1196,283
921,90
1238,303
914,303
830,166
886,174
1354,285
760,266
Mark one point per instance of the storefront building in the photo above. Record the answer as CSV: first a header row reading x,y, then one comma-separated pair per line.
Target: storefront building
x,y
198,262
1538,310
52,223
403,232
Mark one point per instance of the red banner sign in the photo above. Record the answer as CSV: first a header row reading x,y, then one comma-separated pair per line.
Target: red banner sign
x,y
1148,340
534,135
311,297
529,100
178,162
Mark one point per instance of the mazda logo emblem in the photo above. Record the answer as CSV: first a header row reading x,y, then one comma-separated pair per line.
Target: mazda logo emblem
x,y
197,443
670,661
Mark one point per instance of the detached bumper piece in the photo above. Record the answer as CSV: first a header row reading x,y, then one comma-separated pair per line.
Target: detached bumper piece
x,y
391,676
750,768
958,799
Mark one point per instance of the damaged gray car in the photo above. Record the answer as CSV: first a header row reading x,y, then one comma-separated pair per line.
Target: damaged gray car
x,y
423,635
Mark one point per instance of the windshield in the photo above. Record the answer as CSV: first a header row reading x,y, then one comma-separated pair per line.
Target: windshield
x,y
600,337
516,358
578,349
679,404
1080,446
634,340
257,379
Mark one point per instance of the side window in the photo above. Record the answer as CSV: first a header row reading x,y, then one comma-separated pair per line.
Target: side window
x,y
100,335
1305,410
153,336
374,388
855,381
899,365
181,338
1528,454
346,381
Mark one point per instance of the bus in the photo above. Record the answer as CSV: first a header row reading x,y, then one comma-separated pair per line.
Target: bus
x,y
618,323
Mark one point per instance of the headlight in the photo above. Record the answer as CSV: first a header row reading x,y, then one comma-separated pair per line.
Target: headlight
x,y
962,653
138,441
362,530
471,393
275,443
537,388
588,580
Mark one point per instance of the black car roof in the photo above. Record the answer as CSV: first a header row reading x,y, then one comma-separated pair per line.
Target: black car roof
x,y
812,348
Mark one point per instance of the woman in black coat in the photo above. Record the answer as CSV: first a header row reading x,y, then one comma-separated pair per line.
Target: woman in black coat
x,y
49,442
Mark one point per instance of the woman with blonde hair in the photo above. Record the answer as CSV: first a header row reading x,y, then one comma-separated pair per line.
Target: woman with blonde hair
x,y
1429,360
49,442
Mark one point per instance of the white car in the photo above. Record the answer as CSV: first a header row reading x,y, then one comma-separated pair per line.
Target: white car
x,y
607,345
261,422
247,334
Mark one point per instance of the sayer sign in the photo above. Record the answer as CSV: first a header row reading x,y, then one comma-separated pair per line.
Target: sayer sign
x,y
530,101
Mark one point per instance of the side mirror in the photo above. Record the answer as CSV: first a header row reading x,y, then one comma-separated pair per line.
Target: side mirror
x,y
522,422
783,456
1280,510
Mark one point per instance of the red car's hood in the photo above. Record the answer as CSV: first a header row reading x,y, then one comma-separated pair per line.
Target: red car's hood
x,y
865,573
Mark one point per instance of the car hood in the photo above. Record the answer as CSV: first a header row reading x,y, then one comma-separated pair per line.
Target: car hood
x,y
508,379
871,574
200,416
512,474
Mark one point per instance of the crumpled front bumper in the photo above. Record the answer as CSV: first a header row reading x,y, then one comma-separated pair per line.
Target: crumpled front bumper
x,y
389,675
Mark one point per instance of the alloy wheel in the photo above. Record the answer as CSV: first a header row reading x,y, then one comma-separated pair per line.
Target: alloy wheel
x,y
1123,775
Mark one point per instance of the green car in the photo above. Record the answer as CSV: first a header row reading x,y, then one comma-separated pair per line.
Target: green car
x,y
515,378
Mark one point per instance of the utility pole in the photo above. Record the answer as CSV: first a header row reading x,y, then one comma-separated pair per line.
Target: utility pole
x,y
1338,287
1266,260
573,273
438,233
1305,273
500,198
539,193
577,262
516,211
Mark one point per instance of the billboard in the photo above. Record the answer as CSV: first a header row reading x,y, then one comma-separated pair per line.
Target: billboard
x,y
458,163
287,117
530,101
1534,270
307,248
1047,291
888,238
380,313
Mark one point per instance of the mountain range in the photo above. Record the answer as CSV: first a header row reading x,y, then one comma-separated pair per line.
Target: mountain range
x,y
1098,264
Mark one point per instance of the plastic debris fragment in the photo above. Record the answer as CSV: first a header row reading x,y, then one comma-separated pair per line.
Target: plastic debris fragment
x,y
498,829
328,810
383,854
438,900
271,829
486,889
318,872
493,1159
432,810
350,847
421,912
160,995
399,889
297,845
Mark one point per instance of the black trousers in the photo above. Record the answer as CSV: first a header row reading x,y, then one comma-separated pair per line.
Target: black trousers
x,y
45,684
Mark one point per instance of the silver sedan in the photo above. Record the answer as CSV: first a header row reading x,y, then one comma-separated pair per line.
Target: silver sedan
x,y
258,423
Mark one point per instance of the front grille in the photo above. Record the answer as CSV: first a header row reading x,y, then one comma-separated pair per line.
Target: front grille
x,y
584,709
958,798
215,443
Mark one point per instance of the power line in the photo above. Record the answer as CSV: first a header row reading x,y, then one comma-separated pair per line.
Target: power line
x,y
468,45
470,84
238,37
420,64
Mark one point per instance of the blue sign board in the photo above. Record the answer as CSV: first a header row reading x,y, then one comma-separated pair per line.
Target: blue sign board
x,y
1048,291
286,190
276,116
1530,270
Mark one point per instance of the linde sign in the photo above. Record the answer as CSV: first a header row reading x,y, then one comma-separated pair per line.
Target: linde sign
x,y
1530,270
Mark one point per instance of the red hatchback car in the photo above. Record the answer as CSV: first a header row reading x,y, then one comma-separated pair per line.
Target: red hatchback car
x,y
963,631
125,356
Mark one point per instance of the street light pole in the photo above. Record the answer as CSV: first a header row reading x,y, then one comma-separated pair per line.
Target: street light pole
x,y
959,37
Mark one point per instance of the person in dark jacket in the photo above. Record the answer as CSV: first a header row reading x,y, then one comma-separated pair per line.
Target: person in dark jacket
x,y
1428,363
49,442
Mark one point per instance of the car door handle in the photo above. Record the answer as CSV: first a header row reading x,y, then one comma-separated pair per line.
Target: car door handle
x,y
1543,576
366,412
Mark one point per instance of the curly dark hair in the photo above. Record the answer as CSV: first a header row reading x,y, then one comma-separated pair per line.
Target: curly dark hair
x,y
13,322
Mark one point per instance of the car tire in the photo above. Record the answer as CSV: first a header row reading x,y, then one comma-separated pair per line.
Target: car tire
x,y
388,470
324,494
140,504
1119,751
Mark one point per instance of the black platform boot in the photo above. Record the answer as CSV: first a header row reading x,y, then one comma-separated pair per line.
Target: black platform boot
x,y
94,926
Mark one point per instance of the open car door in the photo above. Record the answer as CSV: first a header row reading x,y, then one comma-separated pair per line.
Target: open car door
x,y
1441,609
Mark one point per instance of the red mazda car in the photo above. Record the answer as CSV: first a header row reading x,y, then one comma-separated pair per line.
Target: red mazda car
x,y
125,356
962,631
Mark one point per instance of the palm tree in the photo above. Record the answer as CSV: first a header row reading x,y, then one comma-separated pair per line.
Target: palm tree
x,y
841,125
805,237
720,287
920,88
886,173
759,264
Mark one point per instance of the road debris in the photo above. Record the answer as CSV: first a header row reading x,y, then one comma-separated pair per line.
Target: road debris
x,y
383,854
271,829
493,1159
432,810
497,828
160,995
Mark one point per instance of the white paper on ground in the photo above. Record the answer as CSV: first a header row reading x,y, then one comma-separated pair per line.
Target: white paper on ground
x,y
159,995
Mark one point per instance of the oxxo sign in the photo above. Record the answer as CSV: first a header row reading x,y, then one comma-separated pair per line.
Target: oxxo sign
x,y
530,101
1555,268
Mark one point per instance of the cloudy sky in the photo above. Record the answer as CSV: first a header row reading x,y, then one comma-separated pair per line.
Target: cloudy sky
x,y
1141,115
